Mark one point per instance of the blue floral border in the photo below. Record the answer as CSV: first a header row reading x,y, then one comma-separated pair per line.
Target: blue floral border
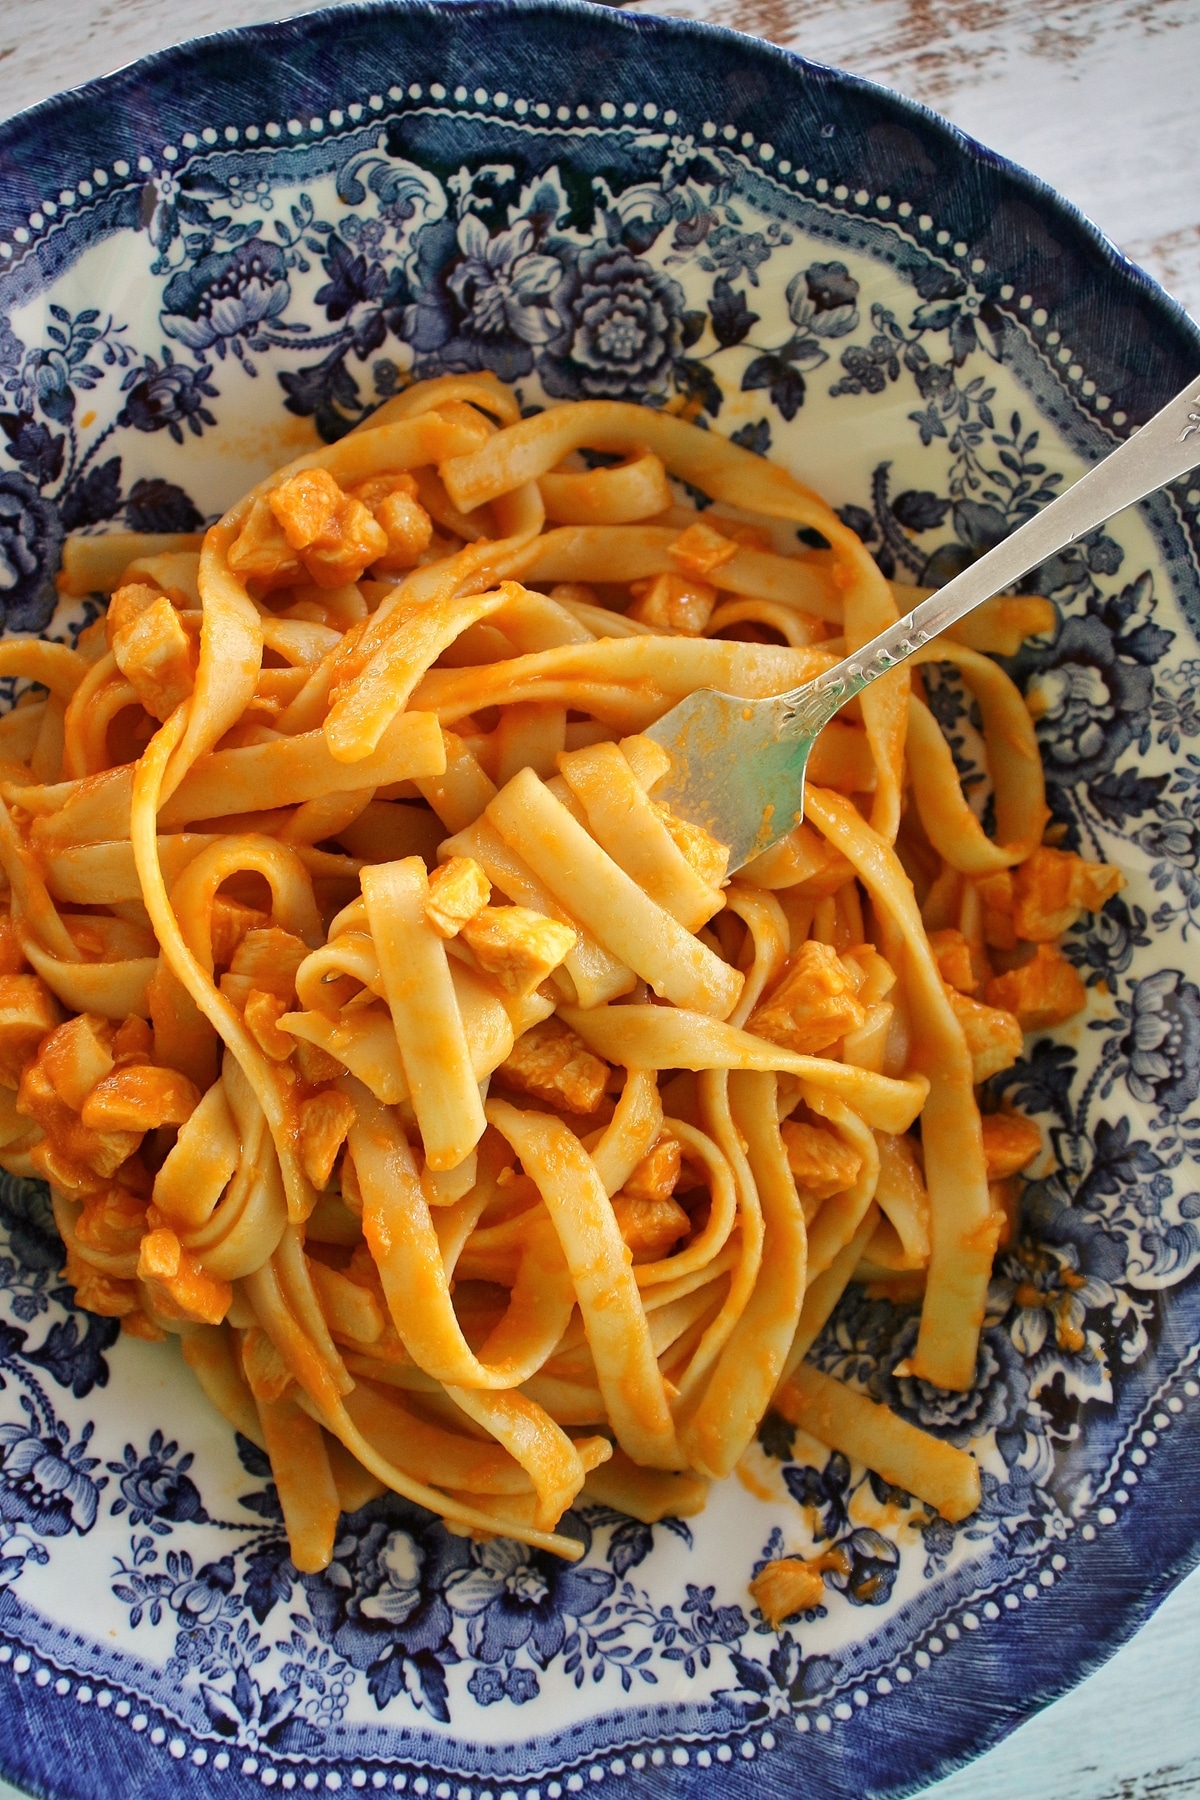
x,y
963,187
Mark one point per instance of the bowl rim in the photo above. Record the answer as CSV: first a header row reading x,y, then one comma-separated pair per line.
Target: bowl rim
x,y
949,1736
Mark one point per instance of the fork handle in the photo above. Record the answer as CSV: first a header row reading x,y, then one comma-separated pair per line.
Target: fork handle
x,y
1165,448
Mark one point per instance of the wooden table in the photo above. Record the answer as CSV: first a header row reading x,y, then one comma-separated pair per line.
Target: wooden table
x,y
1099,98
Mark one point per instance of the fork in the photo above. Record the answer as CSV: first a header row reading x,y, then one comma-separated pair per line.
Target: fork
x,y
737,766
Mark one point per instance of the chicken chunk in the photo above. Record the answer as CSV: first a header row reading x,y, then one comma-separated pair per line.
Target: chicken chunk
x,y
657,1175
324,1123
102,1152
28,1011
993,1035
76,1056
332,532
132,1041
140,1098
112,1222
787,1586
266,1373
12,956
262,1013
392,502
314,1065
702,548
516,947
267,958
458,889
1052,887
551,1063
822,1163
352,1311
178,1287
230,923
650,1227
952,954
151,647
674,603
698,847
1042,992
1010,1143
96,1292
996,897
261,553
813,1005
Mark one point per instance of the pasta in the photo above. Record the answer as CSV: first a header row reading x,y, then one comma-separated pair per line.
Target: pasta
x,y
380,1035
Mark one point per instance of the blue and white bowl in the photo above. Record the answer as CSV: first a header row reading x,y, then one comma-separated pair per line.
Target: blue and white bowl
x,y
212,260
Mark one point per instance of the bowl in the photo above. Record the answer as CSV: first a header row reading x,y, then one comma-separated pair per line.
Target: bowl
x,y
233,250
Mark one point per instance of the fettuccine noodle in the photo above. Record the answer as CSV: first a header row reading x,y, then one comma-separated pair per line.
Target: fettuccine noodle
x,y
384,1039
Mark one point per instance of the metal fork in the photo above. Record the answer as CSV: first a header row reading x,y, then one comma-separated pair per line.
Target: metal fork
x,y
737,766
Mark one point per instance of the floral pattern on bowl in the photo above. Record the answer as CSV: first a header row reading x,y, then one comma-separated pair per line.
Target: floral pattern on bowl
x,y
200,277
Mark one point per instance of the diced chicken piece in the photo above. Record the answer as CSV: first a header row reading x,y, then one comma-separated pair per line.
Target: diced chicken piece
x,y
952,954
822,1163
674,603
139,1324
332,532
1052,887
701,548
12,957
650,1227
179,1288
516,947
48,1163
993,1035
551,1063
112,1222
306,506
579,593
1042,992
151,647
262,1013
267,958
77,1056
14,1126
787,1586
351,1310
140,1098
132,1041
997,898
813,1005
265,1370
709,859
1010,1143
96,1292
324,1122
314,1065
230,923
103,1152
392,502
28,1010
261,552
458,889
657,1175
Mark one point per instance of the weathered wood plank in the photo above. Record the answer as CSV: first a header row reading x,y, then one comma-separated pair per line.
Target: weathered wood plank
x,y
1095,96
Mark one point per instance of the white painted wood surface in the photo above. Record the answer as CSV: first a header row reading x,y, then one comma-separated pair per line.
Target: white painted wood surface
x,y
1098,97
